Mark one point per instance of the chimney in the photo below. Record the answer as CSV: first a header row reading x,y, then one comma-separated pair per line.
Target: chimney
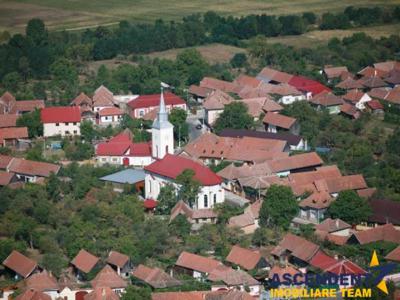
x,y
337,223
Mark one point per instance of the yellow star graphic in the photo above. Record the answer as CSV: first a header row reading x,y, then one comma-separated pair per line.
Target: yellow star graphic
x,y
375,262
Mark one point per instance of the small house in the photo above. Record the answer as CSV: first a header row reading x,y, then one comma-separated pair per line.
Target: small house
x,y
83,263
21,265
120,262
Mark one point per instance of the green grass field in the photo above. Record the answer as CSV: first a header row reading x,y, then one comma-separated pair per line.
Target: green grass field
x,y
77,14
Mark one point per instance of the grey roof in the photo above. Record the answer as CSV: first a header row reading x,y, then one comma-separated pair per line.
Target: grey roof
x,y
130,176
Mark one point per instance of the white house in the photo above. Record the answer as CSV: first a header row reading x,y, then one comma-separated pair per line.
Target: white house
x,y
61,120
357,98
110,116
214,105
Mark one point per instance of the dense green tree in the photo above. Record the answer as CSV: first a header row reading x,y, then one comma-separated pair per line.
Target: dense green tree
x,y
350,207
33,122
279,207
166,199
189,187
177,117
239,60
12,82
136,293
234,116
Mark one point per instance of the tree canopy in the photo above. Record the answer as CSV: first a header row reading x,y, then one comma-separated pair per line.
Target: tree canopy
x,y
235,116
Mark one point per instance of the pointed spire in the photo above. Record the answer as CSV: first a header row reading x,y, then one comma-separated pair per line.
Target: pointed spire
x,y
162,115
162,102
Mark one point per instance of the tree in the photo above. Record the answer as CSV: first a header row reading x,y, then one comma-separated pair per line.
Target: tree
x,y
36,31
350,207
234,116
136,293
189,187
166,199
177,117
12,81
279,207
88,133
239,60
180,226
33,122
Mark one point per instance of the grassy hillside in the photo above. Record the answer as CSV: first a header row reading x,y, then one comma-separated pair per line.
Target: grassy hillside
x,y
78,14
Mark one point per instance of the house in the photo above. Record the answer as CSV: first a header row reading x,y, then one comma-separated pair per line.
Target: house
x,y
350,111
102,98
9,105
7,121
196,217
121,150
110,116
247,259
61,120
349,84
108,278
375,107
132,177
217,84
371,82
83,101
247,81
214,105
6,178
357,98
393,78
387,233
144,104
199,93
30,294
155,277
211,148
21,265
293,248
268,75
194,265
248,221
105,293
314,207
260,105
394,255
333,230
29,170
203,295
120,262
384,212
387,66
277,272
328,101
276,122
308,87
13,136
295,142
334,72
83,263
296,163
43,282
371,71
283,93
167,169
7,100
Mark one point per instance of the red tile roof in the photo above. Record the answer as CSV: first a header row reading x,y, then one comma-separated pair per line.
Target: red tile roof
x,y
269,74
150,203
349,83
279,120
294,162
373,82
385,232
117,259
371,71
307,85
375,105
107,277
42,282
171,166
217,84
5,178
387,66
8,120
60,114
196,262
350,110
27,106
102,294
199,91
322,261
317,200
297,246
244,80
13,133
231,277
110,111
5,161
103,97
82,98
7,98
335,72
354,96
326,99
155,277
122,145
20,264
217,100
332,225
245,258
153,100
179,296
394,255
345,266
34,168
33,295
84,261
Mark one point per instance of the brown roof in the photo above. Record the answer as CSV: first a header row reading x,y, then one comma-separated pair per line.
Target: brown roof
x,y
334,72
297,246
251,213
155,277
393,95
13,133
280,271
245,80
354,96
245,258
366,193
387,233
20,264
231,294
103,97
7,98
317,200
349,83
231,277
82,98
117,259
269,74
217,100
350,182
256,106
30,167
265,89
271,105
311,176
196,262
111,111
394,255
102,294
294,162
84,261
107,277
350,110
42,282
331,225
279,120
33,295
26,106
178,296
387,66
370,71
199,91
326,99
8,120
5,178
393,77
373,82
181,208
217,84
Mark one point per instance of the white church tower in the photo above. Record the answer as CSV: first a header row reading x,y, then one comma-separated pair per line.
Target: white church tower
x,y
162,132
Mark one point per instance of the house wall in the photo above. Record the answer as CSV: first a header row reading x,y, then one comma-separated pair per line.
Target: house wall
x,y
141,111
138,161
364,99
63,129
289,99
212,115
99,108
154,182
334,110
254,289
162,142
106,120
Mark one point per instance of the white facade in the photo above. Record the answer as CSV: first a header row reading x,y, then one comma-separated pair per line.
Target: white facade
x,y
141,111
137,161
110,120
212,115
361,103
207,197
289,99
63,129
99,108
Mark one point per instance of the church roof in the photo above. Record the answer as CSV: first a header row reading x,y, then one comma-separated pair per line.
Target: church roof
x,y
162,116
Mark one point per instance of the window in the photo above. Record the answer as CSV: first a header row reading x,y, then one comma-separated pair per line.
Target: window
x,y
75,131
57,124
141,113
66,124
215,199
67,132
205,201
166,149
74,123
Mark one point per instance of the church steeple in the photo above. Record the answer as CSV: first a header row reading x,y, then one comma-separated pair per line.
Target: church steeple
x,y
162,132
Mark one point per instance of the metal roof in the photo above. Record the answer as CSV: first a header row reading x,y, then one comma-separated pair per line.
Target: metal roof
x,y
130,176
